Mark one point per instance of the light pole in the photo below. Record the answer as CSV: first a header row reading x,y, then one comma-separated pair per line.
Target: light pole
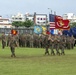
x,y
50,10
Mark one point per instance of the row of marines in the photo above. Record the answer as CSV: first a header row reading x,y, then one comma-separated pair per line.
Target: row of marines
x,y
54,42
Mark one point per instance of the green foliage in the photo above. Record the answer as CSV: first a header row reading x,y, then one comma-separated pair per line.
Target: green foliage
x,y
27,23
17,23
32,61
73,24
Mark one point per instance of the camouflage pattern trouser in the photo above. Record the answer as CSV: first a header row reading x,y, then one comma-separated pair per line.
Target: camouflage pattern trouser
x,y
3,44
12,51
62,47
57,49
52,49
31,44
68,44
46,50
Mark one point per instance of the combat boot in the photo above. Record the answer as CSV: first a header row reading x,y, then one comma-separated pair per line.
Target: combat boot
x,y
11,55
14,55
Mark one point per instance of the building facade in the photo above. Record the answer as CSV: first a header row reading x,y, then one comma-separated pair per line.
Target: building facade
x,y
18,17
70,16
5,23
40,19
29,17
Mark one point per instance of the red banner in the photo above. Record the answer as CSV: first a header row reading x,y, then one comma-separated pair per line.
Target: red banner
x,y
66,25
60,23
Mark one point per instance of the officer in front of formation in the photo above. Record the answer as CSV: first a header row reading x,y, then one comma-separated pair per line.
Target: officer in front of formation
x,y
12,44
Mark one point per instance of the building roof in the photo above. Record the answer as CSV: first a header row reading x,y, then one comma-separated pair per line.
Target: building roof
x,y
5,24
3,19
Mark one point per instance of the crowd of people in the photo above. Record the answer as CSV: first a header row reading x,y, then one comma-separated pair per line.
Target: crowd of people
x,y
52,42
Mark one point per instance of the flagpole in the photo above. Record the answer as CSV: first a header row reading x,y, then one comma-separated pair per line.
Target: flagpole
x,y
50,10
54,13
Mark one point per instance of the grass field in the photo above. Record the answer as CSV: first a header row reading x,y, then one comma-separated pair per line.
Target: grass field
x,y
32,61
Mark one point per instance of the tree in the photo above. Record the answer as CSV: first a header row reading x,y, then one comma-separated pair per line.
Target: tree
x,y
73,24
28,23
17,23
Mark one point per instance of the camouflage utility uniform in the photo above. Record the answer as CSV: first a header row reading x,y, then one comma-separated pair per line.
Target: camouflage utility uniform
x,y
12,45
3,37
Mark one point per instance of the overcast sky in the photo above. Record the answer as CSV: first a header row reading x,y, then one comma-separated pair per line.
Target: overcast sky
x,y
10,7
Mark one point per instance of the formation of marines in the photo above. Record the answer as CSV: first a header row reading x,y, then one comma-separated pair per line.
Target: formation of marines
x,y
56,43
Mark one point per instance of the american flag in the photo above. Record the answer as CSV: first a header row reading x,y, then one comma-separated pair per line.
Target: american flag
x,y
52,21
52,25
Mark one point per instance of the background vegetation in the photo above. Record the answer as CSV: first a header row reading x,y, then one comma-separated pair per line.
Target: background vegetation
x,y
27,23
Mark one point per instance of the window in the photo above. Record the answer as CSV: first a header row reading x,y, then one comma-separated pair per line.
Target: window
x,y
38,22
44,22
16,18
37,18
1,21
26,18
41,18
20,18
44,18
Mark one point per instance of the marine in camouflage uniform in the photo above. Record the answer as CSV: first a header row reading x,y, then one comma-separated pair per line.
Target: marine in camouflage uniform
x,y
3,37
52,45
68,42
28,40
46,42
31,41
41,42
23,39
20,42
35,40
17,38
56,44
72,42
12,45
8,39
62,44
